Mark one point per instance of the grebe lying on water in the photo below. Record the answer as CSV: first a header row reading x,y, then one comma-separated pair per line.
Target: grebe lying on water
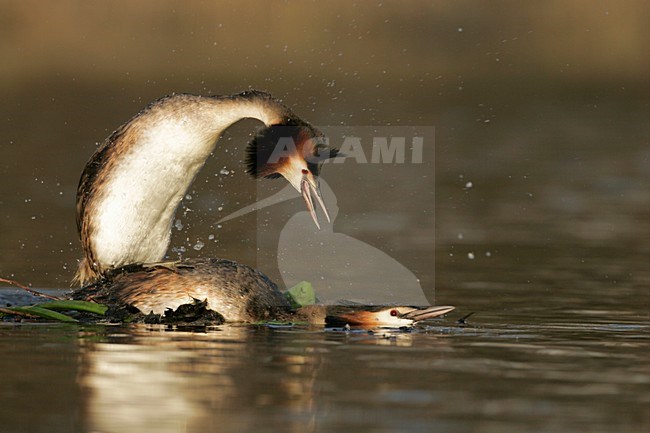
x,y
238,293
134,182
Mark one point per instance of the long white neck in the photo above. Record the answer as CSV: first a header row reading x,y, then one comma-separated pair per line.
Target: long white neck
x,y
133,184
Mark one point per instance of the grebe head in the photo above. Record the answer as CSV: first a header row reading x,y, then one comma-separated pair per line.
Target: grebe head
x,y
296,151
383,316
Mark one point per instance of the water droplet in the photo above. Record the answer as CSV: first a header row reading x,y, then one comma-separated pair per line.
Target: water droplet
x,y
470,256
178,224
198,246
224,171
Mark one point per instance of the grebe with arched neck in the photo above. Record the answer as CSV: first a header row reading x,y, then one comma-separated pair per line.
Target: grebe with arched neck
x,y
134,182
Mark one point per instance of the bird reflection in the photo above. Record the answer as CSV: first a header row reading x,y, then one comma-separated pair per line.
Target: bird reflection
x,y
144,379
183,381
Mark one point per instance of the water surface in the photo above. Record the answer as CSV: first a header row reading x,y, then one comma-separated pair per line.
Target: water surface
x,y
546,373
531,210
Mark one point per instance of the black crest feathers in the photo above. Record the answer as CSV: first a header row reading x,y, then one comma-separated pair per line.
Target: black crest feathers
x,y
272,146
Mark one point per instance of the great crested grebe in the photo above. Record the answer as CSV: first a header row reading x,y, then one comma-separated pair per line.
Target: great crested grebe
x,y
132,185
134,182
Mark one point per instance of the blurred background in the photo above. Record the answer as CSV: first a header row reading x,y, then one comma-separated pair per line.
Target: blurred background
x,y
541,116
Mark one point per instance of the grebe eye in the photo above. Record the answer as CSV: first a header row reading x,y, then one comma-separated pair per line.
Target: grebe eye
x,y
394,313
305,171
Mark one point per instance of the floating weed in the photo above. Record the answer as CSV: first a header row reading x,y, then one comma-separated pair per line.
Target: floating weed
x,y
37,311
50,310
301,295
82,306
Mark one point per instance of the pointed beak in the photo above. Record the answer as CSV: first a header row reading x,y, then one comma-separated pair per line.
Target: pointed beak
x,y
310,190
419,314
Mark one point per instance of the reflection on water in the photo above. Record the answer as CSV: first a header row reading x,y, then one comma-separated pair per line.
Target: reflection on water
x,y
152,380
541,374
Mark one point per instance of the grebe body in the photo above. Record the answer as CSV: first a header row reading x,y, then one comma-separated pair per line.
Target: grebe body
x,y
236,291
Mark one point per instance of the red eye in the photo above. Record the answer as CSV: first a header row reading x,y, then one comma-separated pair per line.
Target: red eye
x,y
305,171
394,313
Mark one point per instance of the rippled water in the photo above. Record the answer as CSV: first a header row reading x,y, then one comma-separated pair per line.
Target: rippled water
x,y
542,374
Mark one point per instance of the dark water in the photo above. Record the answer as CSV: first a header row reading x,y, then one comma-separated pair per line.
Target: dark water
x,y
531,210
546,373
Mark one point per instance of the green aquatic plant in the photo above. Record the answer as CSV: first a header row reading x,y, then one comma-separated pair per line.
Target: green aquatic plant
x,y
51,310
301,295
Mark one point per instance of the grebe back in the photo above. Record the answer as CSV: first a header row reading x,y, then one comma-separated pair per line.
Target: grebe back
x,y
237,292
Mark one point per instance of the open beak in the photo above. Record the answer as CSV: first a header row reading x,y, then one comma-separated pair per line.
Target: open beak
x,y
424,313
308,191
